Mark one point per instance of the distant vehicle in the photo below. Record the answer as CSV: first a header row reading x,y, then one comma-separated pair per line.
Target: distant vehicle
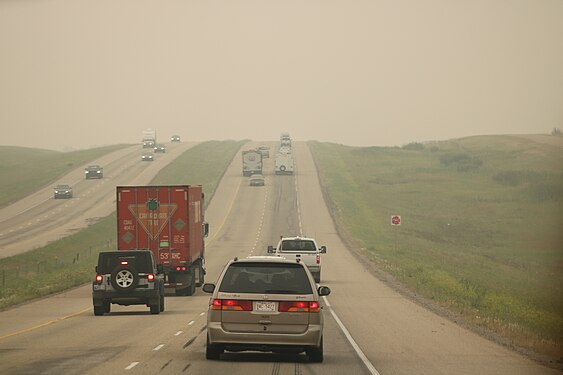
x,y
265,150
284,164
147,157
251,162
175,138
94,171
63,192
159,148
303,249
256,180
149,138
266,304
169,221
127,278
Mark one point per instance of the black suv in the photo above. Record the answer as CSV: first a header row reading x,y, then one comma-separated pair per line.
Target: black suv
x,y
94,171
127,277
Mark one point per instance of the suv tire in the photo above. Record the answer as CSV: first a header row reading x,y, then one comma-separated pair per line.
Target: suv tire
x,y
155,309
99,310
316,354
124,279
162,303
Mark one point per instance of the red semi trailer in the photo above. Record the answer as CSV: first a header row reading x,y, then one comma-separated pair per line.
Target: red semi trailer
x,y
169,221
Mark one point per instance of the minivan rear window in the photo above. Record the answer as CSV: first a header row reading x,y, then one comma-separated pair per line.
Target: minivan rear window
x,y
266,278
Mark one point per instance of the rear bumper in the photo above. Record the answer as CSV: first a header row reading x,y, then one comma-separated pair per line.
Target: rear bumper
x,y
239,341
136,297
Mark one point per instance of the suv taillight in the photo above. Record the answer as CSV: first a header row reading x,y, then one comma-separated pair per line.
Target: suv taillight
x,y
299,306
99,279
231,305
150,277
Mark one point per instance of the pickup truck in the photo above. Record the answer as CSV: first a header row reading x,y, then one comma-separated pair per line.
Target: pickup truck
x,y
304,249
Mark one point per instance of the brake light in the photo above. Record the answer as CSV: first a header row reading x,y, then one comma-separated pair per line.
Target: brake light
x,y
150,277
231,305
99,279
318,259
180,268
124,262
299,306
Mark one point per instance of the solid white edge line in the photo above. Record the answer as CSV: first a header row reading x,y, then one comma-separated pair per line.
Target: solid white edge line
x,y
133,364
359,351
159,347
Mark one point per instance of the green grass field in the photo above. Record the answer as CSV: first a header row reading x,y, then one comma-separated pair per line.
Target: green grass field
x,y
70,262
481,230
25,170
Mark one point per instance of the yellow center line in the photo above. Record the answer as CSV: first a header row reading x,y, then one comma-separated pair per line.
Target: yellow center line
x,y
44,324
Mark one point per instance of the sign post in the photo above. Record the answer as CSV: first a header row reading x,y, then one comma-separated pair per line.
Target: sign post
x,y
396,222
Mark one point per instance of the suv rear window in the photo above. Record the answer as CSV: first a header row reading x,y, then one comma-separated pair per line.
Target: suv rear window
x,y
297,245
141,261
266,278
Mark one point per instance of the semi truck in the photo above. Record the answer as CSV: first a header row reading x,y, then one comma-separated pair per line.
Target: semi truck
x,y
149,138
251,162
168,221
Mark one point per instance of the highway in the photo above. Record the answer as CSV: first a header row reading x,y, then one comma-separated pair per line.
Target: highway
x,y
39,219
369,327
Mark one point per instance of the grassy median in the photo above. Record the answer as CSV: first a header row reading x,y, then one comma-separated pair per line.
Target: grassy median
x,y
70,262
481,226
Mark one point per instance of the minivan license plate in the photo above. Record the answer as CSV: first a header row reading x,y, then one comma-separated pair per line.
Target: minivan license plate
x,y
265,306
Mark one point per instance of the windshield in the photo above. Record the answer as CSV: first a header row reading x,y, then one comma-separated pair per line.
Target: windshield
x,y
266,278
297,245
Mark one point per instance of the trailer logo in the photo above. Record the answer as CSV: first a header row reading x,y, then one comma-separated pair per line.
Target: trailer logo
x,y
153,216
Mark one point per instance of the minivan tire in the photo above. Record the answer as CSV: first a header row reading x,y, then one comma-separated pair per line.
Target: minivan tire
x,y
212,351
316,354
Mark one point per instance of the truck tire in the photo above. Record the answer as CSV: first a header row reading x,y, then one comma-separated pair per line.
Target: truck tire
x,y
201,273
282,168
124,278
190,290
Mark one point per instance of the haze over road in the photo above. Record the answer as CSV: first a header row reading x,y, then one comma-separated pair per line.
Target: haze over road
x,y
77,73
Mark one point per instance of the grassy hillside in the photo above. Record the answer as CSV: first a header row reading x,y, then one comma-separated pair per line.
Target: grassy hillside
x,y
481,231
24,170
70,262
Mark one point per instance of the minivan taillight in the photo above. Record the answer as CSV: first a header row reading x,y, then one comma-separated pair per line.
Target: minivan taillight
x,y
99,279
231,305
299,306
318,259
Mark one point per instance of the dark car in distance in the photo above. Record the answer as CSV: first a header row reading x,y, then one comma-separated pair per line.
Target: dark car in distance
x,y
93,171
63,192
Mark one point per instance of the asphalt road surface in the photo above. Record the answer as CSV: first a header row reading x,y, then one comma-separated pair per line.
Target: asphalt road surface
x,y
39,219
369,328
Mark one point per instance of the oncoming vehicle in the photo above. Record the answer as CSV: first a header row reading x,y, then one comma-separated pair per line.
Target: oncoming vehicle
x,y
63,192
94,171
159,148
256,180
267,304
147,157
175,138
127,278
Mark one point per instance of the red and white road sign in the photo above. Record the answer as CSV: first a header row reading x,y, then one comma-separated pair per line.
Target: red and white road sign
x,y
395,220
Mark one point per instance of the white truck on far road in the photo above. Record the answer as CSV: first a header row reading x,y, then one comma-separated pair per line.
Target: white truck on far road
x,y
284,164
303,248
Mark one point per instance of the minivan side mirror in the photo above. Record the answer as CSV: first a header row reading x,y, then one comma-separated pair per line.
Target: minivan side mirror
x,y
323,249
271,249
323,291
208,288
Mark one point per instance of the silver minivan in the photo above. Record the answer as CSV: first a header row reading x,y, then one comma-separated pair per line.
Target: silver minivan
x,y
266,304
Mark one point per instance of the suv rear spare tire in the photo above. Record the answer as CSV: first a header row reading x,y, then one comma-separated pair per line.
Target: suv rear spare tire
x,y
124,278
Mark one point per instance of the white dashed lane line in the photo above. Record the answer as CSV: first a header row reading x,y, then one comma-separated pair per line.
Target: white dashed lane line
x,y
133,364
192,322
178,333
159,347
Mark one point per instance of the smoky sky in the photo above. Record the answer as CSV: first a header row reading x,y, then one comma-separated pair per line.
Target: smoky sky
x,y
77,73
